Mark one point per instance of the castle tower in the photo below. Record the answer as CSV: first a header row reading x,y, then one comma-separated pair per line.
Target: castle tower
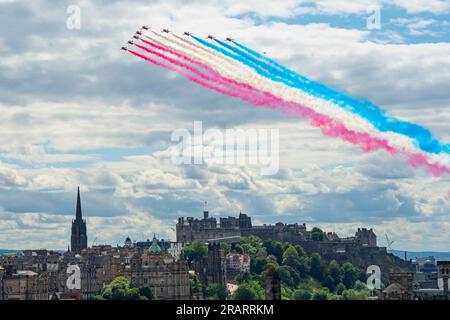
x,y
78,239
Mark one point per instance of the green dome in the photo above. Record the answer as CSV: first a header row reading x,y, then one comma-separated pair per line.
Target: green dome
x,y
154,248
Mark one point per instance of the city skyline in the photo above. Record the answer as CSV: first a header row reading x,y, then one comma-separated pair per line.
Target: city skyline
x,y
76,111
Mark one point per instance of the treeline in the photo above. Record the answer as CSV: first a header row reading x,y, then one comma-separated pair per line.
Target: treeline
x,y
121,289
302,277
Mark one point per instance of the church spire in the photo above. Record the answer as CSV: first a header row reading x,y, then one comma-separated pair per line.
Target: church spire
x,y
79,215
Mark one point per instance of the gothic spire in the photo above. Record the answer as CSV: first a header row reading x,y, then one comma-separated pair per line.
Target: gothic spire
x,y
78,216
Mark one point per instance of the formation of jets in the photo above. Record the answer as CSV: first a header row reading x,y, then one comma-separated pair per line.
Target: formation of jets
x,y
186,33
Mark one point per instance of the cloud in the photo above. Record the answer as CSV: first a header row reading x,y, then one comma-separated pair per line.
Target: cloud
x,y
78,111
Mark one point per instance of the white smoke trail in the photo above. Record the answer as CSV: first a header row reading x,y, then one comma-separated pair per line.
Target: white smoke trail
x,y
232,69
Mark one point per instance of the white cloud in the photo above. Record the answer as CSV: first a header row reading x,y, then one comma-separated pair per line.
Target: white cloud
x,y
68,94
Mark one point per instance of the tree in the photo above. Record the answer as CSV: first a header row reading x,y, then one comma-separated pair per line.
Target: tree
x,y
197,250
301,252
249,290
258,264
320,294
352,294
285,276
196,285
349,275
292,259
120,289
335,272
340,288
237,248
251,245
225,247
146,292
216,292
317,269
243,276
294,274
274,248
302,294
329,283
317,234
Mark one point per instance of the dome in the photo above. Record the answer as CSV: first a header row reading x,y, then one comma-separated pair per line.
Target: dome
x,y
154,248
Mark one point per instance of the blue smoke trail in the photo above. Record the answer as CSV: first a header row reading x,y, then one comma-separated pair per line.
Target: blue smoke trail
x,y
367,110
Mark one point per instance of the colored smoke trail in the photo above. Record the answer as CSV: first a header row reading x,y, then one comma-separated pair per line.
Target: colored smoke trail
x,y
365,109
329,126
206,74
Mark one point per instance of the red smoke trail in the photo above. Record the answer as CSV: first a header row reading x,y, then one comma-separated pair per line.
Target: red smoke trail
x,y
217,77
187,75
328,126
419,160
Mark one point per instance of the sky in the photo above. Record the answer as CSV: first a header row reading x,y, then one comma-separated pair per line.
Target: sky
x,y
78,111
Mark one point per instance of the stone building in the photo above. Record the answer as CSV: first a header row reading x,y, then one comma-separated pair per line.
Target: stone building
x,y
25,285
190,229
42,274
236,263
212,269
167,276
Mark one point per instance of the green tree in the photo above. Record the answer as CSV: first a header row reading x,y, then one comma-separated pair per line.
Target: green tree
x,y
302,294
237,248
317,269
225,247
251,245
292,259
274,248
285,276
120,289
349,275
335,272
329,283
301,252
258,264
146,292
243,276
249,290
320,294
340,288
216,292
196,285
197,250
317,234
352,294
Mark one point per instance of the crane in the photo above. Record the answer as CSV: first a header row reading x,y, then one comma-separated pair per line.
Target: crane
x,y
389,242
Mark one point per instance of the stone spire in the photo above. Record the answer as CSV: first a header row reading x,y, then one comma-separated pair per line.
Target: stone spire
x,y
79,215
